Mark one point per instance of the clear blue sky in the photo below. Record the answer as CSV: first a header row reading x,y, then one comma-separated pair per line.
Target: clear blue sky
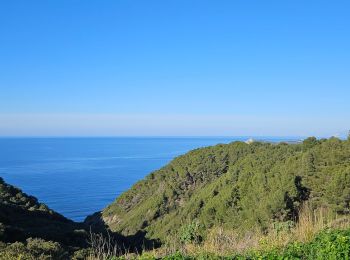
x,y
179,67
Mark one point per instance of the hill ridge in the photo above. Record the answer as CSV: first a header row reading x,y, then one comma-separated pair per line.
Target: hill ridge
x,y
237,185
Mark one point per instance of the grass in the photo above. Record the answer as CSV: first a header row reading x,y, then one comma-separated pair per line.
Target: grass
x,y
318,234
282,238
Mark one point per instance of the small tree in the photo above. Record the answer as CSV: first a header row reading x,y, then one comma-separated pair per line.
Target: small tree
x,y
310,142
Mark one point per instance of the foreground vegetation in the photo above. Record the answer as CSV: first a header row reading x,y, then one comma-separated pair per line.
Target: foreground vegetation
x,y
235,201
317,231
316,237
326,245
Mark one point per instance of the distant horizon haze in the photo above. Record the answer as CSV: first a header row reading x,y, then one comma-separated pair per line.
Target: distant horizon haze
x,y
108,125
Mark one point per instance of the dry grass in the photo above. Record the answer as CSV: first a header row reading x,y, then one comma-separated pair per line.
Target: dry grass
x,y
311,222
223,242
102,247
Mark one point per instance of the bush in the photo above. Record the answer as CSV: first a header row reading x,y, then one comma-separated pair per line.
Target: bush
x,y
329,244
190,233
33,249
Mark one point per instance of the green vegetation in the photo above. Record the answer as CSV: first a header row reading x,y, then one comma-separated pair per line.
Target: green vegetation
x,y
190,233
237,186
235,201
30,230
329,244
22,217
33,249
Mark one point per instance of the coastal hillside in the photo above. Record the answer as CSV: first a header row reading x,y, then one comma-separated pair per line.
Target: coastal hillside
x,y
237,186
240,201
23,217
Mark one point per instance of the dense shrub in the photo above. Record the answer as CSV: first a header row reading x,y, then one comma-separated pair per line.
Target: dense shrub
x,y
33,249
190,233
329,244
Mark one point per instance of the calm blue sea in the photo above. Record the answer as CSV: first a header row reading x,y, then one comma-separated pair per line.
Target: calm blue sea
x,y
79,176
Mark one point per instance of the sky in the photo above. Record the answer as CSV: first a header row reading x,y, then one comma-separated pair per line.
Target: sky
x,y
174,68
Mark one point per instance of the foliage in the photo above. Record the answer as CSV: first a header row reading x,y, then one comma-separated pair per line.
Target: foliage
x,y
329,244
30,230
236,201
22,217
33,249
190,233
237,186
10,195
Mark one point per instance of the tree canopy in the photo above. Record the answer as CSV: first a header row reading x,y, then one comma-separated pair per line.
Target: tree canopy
x,y
237,185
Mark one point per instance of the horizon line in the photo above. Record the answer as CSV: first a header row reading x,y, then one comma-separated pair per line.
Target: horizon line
x,y
159,136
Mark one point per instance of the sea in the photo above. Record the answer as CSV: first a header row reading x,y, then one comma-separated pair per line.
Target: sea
x,y
79,176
